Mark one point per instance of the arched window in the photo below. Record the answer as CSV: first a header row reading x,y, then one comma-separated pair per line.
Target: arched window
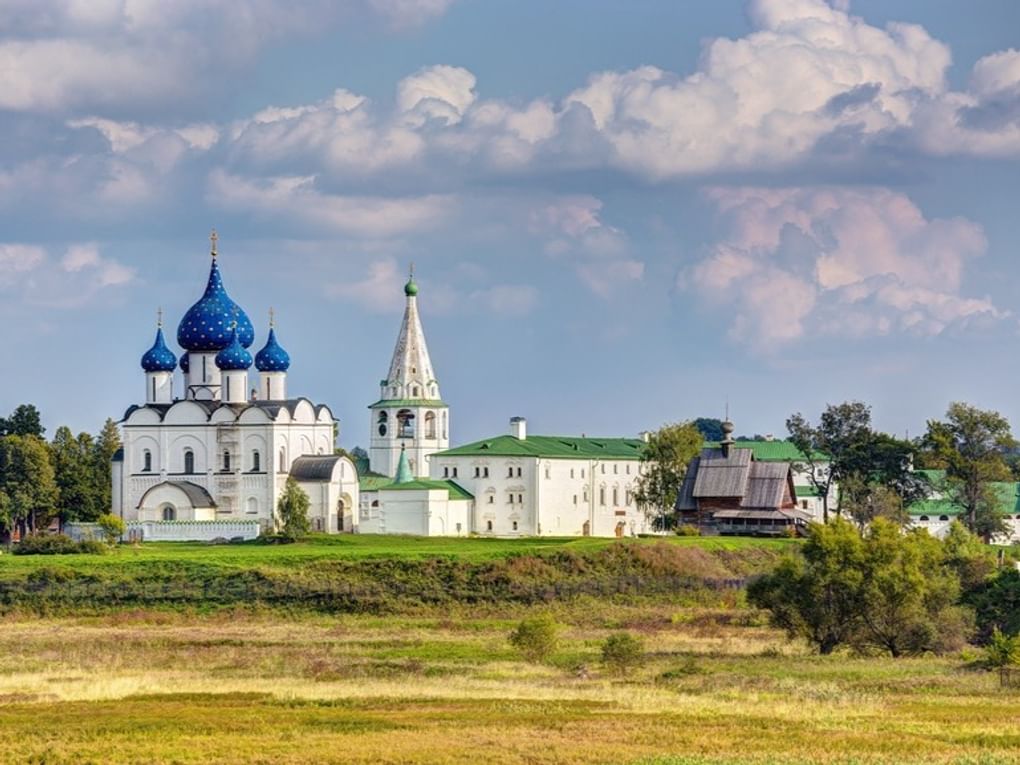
x,y
252,506
189,461
146,461
616,497
383,421
923,518
602,496
415,392
169,513
943,517
283,460
488,525
256,461
444,425
405,424
226,460
430,425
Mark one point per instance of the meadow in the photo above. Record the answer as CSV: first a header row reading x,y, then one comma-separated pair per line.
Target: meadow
x,y
418,680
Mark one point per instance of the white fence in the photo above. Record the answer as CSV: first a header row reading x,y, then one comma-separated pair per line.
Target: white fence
x,y
172,531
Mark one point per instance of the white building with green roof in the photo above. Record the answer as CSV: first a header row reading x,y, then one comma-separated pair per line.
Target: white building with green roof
x,y
937,512
531,485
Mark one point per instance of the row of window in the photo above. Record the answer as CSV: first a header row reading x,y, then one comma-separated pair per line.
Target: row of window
x,y
514,471
226,461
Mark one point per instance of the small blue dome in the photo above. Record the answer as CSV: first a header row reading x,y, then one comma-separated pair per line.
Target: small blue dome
x,y
234,357
185,363
159,358
207,324
272,358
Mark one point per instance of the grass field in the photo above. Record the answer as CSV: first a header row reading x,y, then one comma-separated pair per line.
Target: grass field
x,y
394,650
717,687
367,546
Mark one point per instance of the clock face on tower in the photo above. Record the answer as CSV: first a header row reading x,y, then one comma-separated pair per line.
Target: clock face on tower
x,y
382,430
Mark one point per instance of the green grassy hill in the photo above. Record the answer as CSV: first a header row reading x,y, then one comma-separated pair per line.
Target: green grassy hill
x,y
382,573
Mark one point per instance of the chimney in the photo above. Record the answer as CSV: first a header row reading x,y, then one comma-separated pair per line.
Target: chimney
x,y
519,428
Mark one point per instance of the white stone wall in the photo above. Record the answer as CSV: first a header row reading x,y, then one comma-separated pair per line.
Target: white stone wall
x,y
176,531
420,512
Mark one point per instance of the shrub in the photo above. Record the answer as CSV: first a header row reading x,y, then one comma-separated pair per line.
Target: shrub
x,y
1003,650
46,544
687,530
112,528
622,652
57,544
535,638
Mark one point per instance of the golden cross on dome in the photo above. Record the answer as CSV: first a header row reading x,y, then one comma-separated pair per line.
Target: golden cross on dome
x,y
159,317
412,269
213,238
272,317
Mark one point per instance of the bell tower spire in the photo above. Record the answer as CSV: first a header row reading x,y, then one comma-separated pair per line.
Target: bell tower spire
x,y
410,413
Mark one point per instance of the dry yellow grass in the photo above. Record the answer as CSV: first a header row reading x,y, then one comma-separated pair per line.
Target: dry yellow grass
x,y
239,688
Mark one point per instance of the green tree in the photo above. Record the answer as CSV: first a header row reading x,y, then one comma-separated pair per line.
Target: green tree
x,y
909,595
886,589
24,421
970,444
831,448
1003,650
622,652
710,428
972,560
293,511
536,638
106,445
26,479
72,467
818,594
996,603
664,464
112,528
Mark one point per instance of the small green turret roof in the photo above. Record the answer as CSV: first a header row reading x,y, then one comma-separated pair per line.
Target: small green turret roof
x,y
404,474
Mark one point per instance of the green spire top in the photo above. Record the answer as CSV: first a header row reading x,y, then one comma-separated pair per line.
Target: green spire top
x,y
411,288
404,474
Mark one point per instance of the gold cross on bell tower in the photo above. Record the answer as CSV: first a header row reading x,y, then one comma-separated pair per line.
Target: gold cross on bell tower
x,y
213,239
272,318
159,317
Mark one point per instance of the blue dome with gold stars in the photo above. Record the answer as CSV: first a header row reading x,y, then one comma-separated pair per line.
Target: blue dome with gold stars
x,y
185,364
207,324
159,358
234,357
272,358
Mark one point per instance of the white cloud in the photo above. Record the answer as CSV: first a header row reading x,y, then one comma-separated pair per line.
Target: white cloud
x,y
378,292
296,199
505,299
807,262
436,92
29,273
66,56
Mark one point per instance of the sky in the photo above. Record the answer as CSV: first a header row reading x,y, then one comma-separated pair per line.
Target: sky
x,y
620,213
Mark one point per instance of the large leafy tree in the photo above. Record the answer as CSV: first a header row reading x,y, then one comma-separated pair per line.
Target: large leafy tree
x,y
817,595
885,589
664,464
27,483
710,428
831,448
24,421
293,510
970,444
73,463
872,470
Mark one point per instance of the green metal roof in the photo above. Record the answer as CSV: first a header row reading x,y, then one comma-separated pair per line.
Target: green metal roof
x,y
551,447
429,484
1007,493
806,491
373,481
390,403
771,451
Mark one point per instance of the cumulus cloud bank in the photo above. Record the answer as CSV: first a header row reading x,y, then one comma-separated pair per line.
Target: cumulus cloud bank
x,y
810,262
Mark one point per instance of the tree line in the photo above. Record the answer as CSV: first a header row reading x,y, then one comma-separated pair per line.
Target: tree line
x,y
66,478
859,472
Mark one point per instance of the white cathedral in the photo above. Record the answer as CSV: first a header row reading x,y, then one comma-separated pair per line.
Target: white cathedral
x,y
212,460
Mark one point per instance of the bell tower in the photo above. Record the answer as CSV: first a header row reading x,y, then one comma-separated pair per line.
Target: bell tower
x,y
410,415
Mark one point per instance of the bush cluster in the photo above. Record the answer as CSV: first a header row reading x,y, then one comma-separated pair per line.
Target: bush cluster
x,y
57,544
